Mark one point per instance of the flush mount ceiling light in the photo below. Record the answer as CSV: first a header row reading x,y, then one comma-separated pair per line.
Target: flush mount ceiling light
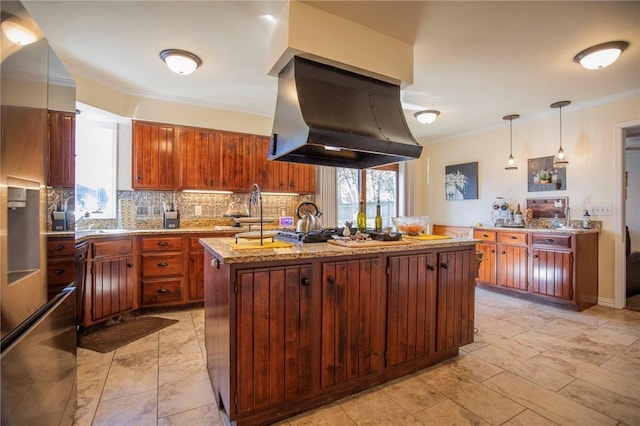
x,y
180,61
511,163
560,159
427,116
18,33
601,55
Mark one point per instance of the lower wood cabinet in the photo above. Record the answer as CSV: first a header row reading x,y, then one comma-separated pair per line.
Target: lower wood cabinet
x,y
162,270
561,268
286,336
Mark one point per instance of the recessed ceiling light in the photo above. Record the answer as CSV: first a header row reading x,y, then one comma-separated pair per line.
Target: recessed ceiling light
x,y
180,61
427,116
601,55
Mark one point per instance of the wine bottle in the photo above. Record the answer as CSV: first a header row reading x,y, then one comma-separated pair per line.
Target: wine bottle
x,y
362,217
517,220
378,217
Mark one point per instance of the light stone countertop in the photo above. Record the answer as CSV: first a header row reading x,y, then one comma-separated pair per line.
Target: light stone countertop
x,y
227,254
538,230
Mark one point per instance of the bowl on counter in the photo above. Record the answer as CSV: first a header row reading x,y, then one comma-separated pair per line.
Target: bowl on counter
x,y
412,225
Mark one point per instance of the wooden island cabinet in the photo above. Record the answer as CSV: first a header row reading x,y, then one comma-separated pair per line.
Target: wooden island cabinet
x,y
290,329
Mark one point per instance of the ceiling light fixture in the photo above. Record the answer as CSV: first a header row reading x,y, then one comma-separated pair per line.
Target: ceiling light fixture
x,y
560,159
601,55
18,33
427,116
511,163
180,61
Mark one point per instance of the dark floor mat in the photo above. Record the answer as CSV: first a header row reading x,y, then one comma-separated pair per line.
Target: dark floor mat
x,y
112,337
633,302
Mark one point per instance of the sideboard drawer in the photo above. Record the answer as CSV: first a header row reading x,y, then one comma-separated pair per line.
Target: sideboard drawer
x,y
513,237
563,241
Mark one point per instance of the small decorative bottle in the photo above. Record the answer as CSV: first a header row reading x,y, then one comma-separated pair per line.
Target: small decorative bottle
x,y
586,220
361,222
378,221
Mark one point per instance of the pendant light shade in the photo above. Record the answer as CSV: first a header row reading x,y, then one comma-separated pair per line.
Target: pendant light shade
x,y
511,163
560,159
601,55
180,61
427,116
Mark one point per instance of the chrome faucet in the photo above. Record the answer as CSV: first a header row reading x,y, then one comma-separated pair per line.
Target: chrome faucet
x,y
255,197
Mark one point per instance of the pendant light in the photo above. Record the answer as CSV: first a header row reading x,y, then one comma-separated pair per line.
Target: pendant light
x,y
511,163
180,61
560,160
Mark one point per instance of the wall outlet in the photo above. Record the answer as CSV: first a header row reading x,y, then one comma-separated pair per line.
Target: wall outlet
x,y
600,210
198,211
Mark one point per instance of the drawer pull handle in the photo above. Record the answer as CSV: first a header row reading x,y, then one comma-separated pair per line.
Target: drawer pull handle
x,y
163,243
305,282
535,256
549,240
431,267
485,236
331,279
163,290
163,264
59,247
58,271
493,251
513,237
444,265
130,265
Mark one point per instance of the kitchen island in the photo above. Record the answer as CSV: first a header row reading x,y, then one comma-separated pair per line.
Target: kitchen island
x,y
288,329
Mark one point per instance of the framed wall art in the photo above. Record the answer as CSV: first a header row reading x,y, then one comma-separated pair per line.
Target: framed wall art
x,y
542,176
461,181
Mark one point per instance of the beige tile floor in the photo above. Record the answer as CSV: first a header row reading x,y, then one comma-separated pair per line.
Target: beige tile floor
x,y
530,364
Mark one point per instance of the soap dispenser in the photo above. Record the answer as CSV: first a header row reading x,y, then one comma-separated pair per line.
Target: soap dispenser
x,y
556,222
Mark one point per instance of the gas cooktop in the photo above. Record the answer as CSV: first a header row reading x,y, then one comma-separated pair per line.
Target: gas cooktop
x,y
316,236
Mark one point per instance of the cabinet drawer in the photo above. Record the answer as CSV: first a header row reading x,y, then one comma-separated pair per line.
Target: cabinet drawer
x,y
513,237
551,240
160,243
61,247
156,265
489,236
166,291
61,272
112,248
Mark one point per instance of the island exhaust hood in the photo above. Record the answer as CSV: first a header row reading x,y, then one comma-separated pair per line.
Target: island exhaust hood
x,y
332,117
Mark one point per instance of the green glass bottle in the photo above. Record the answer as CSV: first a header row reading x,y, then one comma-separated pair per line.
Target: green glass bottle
x,y
362,218
378,217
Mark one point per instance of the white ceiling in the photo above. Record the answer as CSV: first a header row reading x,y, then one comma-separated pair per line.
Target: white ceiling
x,y
474,61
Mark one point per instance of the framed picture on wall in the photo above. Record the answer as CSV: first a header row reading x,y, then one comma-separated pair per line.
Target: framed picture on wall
x,y
542,176
461,181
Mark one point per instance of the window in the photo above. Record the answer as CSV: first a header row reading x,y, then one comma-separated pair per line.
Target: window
x,y
96,150
380,183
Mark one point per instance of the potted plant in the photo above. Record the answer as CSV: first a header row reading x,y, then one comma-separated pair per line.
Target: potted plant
x,y
544,176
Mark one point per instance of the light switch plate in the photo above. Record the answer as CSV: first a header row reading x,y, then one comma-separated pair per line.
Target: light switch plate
x,y
600,210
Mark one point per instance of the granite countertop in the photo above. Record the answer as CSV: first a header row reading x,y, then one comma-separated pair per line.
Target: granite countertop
x,y
571,230
227,254
104,233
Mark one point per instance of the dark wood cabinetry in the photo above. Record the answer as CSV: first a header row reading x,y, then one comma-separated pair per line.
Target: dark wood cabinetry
x,y
555,267
161,270
200,159
285,336
111,283
154,159
62,149
61,264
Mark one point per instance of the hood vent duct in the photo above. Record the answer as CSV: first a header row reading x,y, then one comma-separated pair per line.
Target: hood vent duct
x,y
331,117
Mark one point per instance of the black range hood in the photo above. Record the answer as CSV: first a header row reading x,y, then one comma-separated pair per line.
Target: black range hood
x,y
332,117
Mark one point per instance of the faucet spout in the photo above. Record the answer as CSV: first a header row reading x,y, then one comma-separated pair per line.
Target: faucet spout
x,y
255,198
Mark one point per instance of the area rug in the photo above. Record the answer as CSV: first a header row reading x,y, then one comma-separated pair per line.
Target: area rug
x,y
115,336
633,303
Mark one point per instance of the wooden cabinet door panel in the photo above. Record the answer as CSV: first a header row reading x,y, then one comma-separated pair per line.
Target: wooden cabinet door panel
x,y
62,149
154,159
274,341
196,275
352,320
235,151
199,159
513,267
411,324
456,296
488,266
552,273
112,282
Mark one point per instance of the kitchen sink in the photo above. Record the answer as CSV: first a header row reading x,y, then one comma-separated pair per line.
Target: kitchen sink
x,y
101,231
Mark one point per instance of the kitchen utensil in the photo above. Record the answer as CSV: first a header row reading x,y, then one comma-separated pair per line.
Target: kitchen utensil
x,y
309,217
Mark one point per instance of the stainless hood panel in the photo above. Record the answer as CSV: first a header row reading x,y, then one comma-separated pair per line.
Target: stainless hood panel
x,y
329,116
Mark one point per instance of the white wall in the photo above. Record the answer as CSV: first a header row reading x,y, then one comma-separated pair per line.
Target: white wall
x,y
588,140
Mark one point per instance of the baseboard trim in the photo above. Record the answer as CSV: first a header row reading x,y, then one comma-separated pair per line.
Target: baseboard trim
x,y
609,303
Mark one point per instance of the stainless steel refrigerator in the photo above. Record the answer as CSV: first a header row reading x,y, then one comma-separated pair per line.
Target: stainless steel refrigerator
x,y
38,341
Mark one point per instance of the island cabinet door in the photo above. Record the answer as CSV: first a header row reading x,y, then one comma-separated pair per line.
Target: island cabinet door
x,y
456,298
274,336
352,320
411,306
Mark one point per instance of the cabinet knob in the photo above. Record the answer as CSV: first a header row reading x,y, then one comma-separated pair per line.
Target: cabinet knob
x,y
493,251
58,247
215,263
431,267
58,271
163,264
163,290
503,252
163,243
129,265
549,240
331,279
535,256
306,282
444,265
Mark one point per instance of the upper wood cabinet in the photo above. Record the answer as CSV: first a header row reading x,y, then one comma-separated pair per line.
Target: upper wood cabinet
x,y
200,159
154,157
62,149
169,157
